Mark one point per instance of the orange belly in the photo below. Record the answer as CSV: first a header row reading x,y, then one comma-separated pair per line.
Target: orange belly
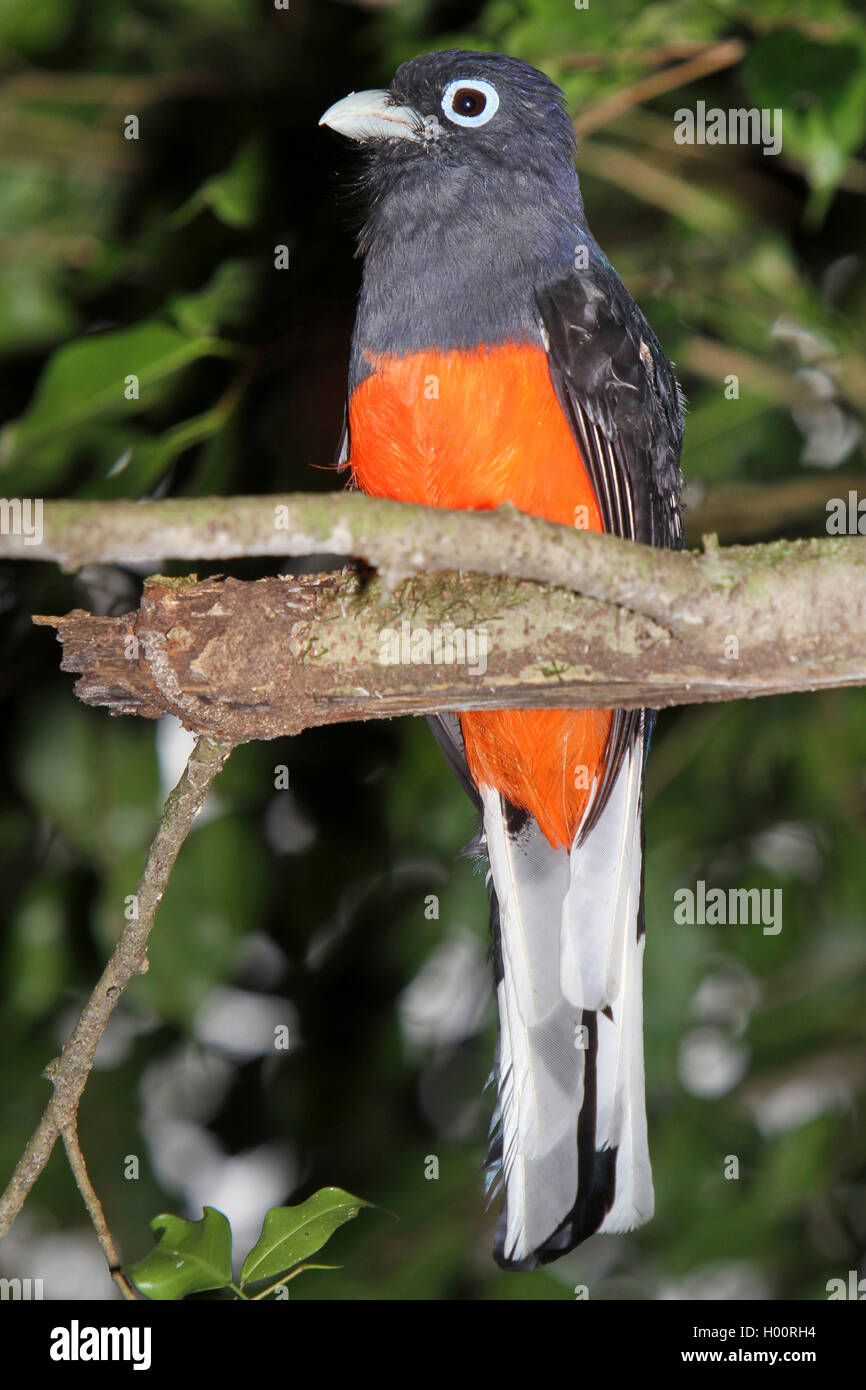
x,y
473,429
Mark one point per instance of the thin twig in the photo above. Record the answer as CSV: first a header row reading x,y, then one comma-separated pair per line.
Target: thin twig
x,y
94,1207
68,1073
283,1280
648,57
723,55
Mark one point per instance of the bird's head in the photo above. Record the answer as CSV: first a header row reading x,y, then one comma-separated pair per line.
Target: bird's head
x,y
461,134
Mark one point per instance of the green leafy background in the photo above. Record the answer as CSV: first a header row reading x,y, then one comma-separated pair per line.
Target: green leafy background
x,y
306,909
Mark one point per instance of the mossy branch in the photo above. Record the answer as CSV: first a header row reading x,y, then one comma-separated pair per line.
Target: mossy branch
x,y
565,617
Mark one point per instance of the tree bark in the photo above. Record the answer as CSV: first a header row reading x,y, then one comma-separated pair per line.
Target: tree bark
x,y
258,660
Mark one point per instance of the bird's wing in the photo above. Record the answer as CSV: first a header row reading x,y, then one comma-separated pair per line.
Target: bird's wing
x,y
343,451
448,734
621,398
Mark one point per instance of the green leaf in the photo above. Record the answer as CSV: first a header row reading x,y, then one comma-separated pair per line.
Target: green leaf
x,y
223,301
290,1234
37,958
189,1257
131,463
33,312
34,25
821,90
94,779
87,380
234,195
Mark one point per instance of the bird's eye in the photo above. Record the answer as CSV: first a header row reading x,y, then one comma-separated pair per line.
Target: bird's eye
x,y
470,101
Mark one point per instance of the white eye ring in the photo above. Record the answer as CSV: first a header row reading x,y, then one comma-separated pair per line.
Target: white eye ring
x,y
477,84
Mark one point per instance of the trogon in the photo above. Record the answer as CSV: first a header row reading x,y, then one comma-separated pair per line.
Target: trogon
x,y
497,357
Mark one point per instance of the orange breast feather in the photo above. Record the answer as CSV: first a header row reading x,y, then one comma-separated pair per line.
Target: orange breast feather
x,y
473,429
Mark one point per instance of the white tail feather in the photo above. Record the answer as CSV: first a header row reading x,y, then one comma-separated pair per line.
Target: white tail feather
x,y
598,905
568,943
621,1076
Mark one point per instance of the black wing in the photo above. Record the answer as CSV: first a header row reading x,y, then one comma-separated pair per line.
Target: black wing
x,y
448,734
342,460
621,398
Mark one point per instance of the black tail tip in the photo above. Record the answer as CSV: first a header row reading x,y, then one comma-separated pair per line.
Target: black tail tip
x,y
583,1221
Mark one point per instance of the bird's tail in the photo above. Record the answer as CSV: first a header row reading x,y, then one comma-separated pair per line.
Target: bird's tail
x,y
569,1137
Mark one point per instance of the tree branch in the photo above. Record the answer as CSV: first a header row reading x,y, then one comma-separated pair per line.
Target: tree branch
x,y
395,537
652,627
75,534
75,1158
243,661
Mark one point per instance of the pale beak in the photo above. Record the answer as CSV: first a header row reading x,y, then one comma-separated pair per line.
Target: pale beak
x,y
373,116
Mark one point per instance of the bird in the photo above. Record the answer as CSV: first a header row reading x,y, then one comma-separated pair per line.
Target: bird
x,y
498,358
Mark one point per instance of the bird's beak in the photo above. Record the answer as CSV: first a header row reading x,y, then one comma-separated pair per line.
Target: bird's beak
x,y
373,116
